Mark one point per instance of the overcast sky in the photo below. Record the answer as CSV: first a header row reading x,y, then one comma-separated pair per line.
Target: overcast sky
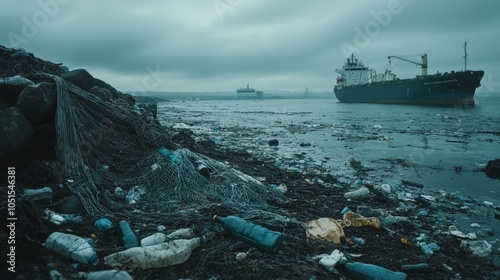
x,y
216,45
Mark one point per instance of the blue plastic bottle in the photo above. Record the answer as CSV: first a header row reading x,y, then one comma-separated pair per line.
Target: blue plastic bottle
x,y
252,234
365,271
128,236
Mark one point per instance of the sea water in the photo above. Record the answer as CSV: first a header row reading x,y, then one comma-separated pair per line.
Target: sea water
x,y
441,147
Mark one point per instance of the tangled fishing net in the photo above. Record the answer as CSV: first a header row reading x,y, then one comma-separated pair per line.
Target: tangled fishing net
x,y
103,144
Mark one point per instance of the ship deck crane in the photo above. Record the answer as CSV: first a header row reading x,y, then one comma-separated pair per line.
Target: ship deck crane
x,y
423,63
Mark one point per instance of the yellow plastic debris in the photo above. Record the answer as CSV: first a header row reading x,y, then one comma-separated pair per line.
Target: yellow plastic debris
x,y
325,228
356,220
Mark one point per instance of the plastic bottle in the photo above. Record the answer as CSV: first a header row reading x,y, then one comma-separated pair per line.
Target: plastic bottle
x,y
113,274
161,255
365,271
43,195
359,193
128,236
105,226
429,249
415,268
73,247
252,234
412,183
169,154
158,238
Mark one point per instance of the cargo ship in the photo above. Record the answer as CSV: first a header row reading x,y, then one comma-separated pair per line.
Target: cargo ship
x,y
359,84
249,92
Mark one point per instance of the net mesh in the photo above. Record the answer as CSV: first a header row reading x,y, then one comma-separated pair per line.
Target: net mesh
x,y
105,144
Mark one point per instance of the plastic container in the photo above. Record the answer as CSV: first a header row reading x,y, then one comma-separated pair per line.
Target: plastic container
x,y
159,237
429,249
412,183
169,154
203,170
161,255
357,194
365,271
73,247
113,274
415,268
252,234
42,196
105,226
358,241
128,236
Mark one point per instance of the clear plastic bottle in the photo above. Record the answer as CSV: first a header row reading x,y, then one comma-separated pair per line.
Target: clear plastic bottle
x,y
365,271
73,247
252,234
161,255
159,237
359,193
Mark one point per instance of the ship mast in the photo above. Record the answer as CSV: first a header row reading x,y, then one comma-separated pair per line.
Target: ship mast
x,y
465,56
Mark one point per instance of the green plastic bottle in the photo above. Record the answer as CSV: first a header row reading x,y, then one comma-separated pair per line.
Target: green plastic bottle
x,y
365,271
252,234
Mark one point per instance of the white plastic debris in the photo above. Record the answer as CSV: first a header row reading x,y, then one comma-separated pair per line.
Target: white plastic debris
x,y
428,197
454,231
54,217
241,256
488,203
329,261
479,248
134,194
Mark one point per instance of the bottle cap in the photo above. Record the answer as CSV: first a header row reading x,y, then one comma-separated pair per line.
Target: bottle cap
x,y
94,260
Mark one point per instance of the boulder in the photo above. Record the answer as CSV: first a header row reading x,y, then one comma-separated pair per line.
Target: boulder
x,y
16,138
37,102
492,169
128,98
44,142
273,142
79,77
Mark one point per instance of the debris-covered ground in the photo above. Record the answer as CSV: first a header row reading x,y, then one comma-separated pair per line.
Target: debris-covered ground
x,y
408,222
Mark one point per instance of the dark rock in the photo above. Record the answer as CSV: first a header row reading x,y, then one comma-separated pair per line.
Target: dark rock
x,y
151,108
16,138
273,142
128,98
71,205
37,102
103,84
103,93
304,144
44,142
79,77
10,93
492,169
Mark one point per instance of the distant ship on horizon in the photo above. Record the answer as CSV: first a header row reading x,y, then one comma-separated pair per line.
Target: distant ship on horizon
x,y
359,84
248,92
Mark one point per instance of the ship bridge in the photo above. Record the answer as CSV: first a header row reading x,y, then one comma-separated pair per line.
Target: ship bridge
x,y
354,72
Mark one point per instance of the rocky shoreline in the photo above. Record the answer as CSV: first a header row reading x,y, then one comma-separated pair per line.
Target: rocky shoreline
x,y
411,217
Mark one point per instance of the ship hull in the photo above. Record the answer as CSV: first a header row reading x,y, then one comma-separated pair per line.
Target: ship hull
x,y
456,88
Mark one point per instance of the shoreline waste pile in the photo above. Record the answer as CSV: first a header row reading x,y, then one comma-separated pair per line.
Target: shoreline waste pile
x,y
97,188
